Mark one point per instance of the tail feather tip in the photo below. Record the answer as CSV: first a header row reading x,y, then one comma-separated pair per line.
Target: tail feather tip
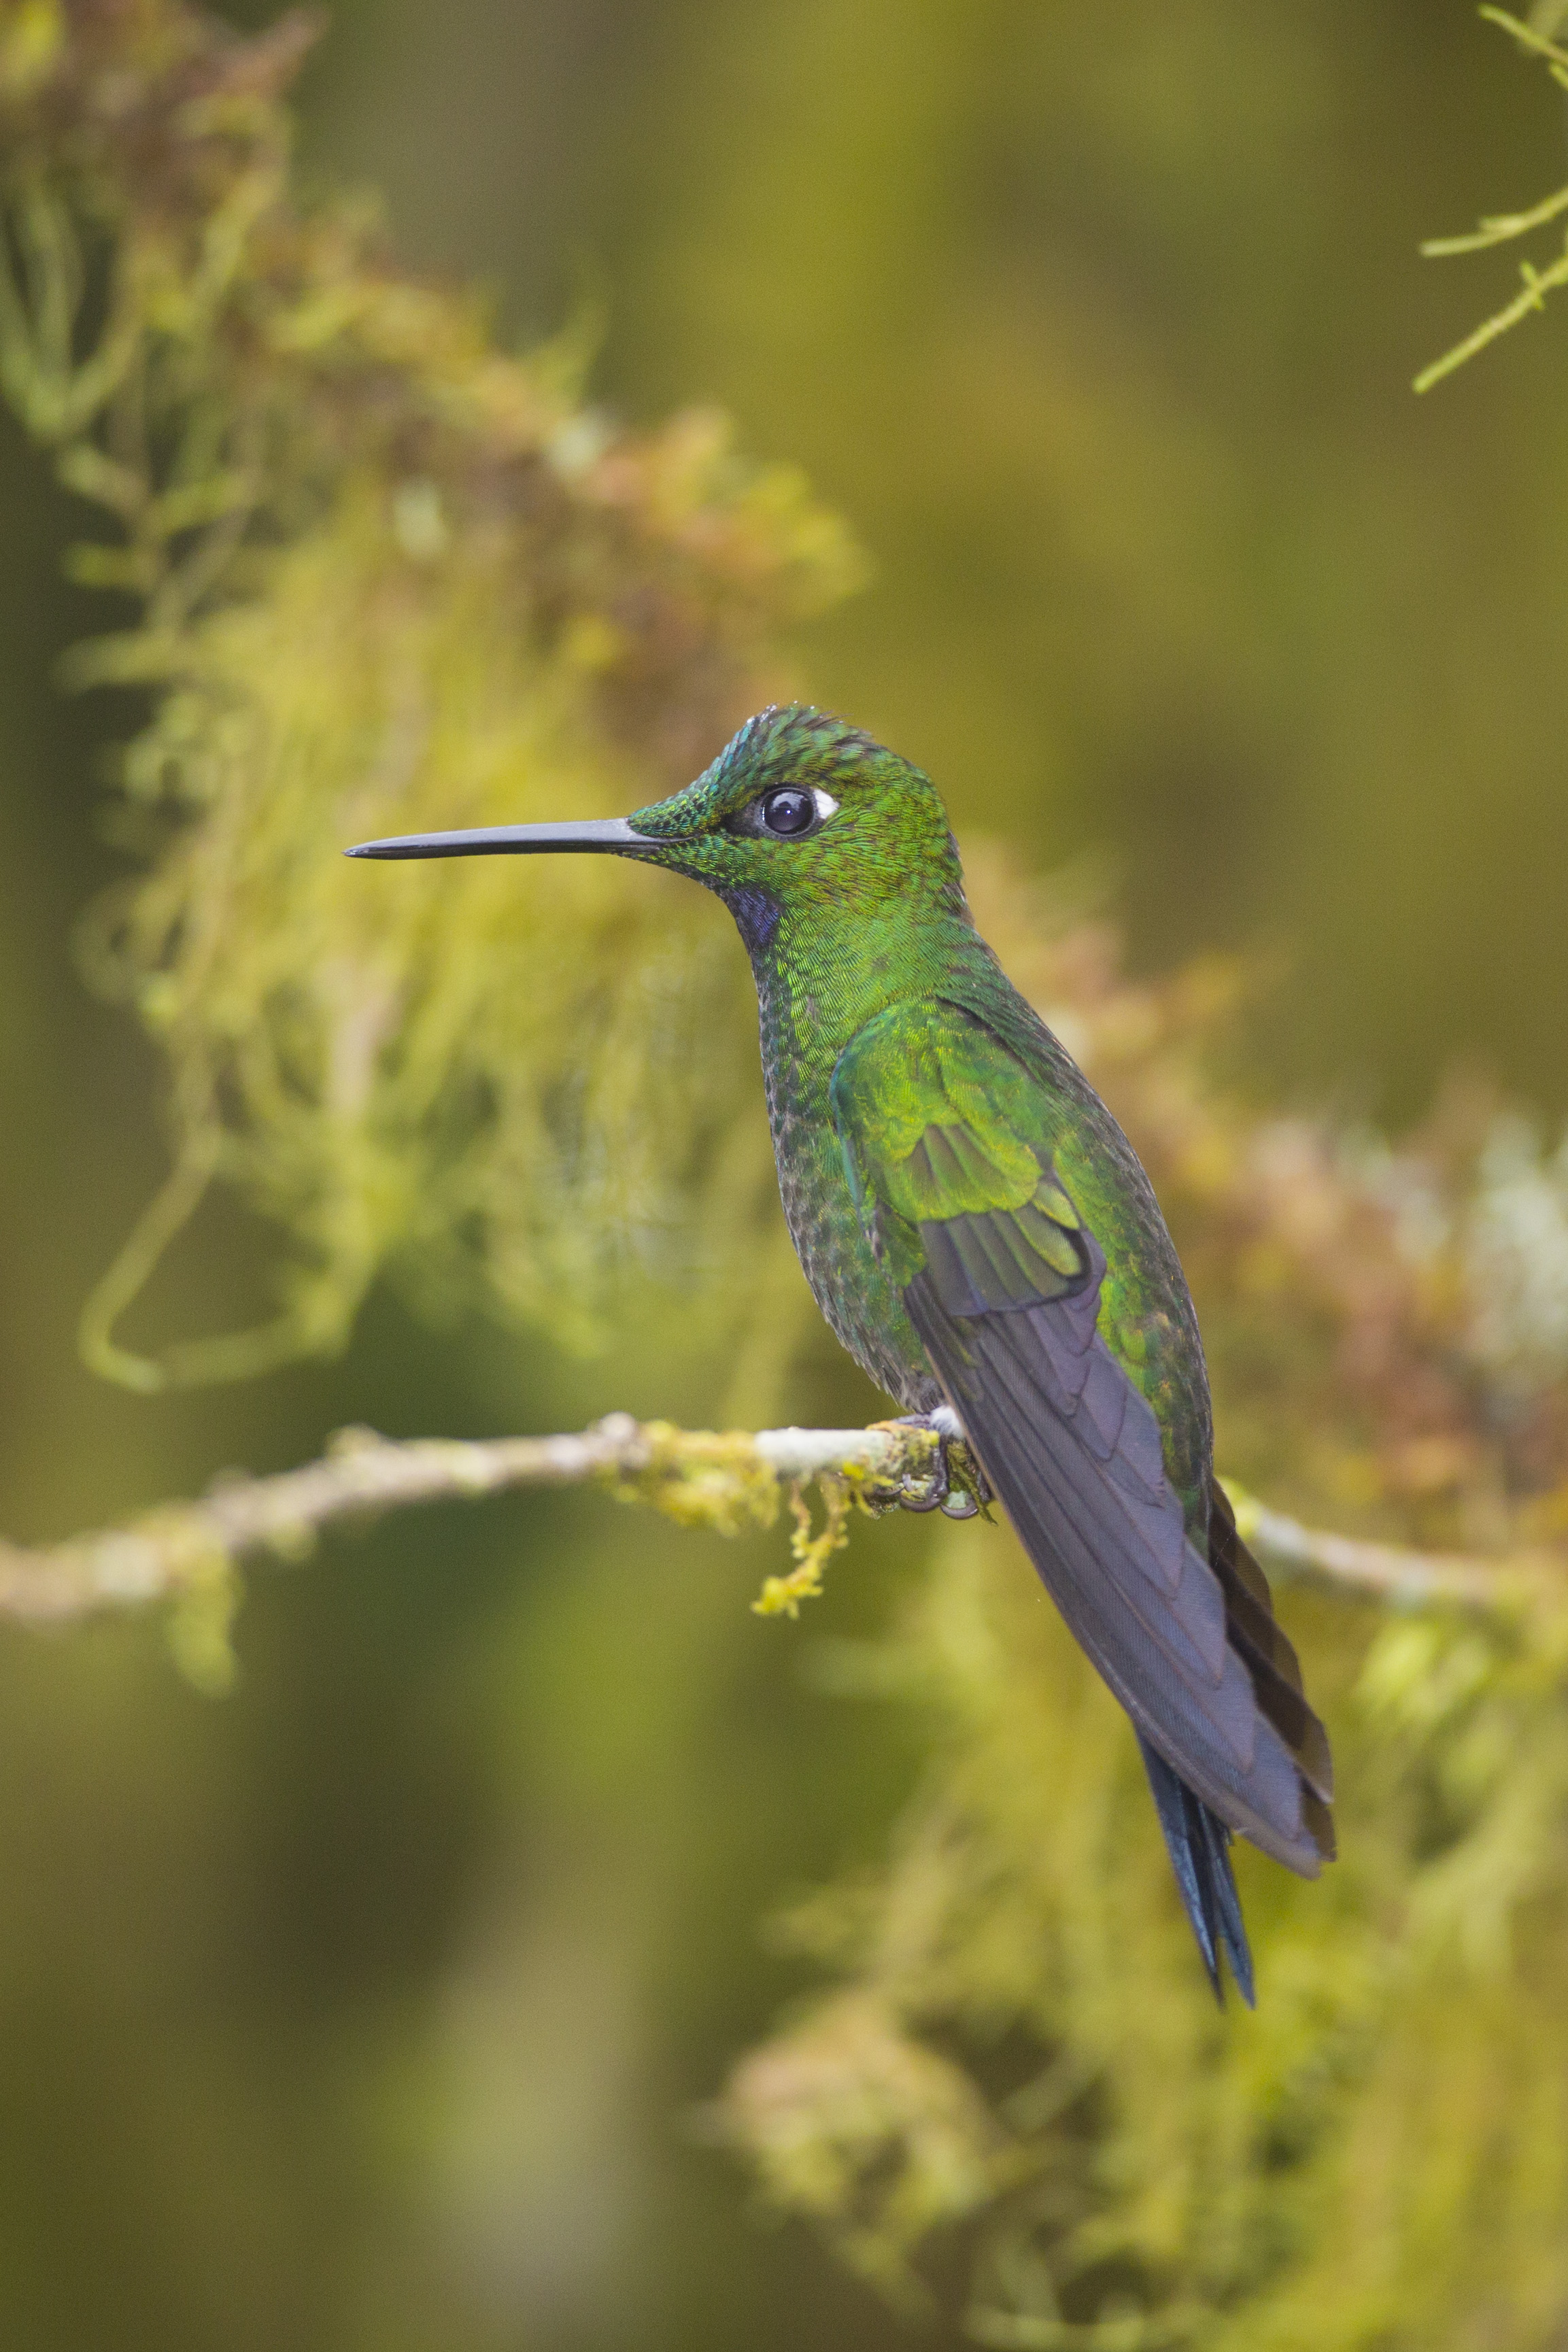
x,y
1198,1843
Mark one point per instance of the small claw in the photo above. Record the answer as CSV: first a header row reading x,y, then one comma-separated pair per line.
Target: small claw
x,y
940,1493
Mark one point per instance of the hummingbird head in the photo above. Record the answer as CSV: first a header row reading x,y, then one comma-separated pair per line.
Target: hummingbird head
x,y
799,814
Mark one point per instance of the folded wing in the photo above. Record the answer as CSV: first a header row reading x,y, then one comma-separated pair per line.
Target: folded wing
x,y
1002,1279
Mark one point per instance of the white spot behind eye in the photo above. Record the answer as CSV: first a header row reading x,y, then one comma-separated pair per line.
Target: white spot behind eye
x,y
827,805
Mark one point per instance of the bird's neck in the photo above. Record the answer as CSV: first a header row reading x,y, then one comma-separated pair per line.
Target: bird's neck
x,y
821,974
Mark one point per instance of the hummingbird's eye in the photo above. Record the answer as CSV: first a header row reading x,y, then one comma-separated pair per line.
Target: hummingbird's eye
x,y
789,810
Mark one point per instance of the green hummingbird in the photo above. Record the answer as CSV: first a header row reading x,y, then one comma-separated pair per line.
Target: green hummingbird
x,y
982,1238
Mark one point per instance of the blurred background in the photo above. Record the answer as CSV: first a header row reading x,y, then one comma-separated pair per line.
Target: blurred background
x,y
371,2006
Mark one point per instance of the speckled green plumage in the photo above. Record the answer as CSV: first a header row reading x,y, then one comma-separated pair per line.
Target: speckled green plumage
x,y
980,1235
873,928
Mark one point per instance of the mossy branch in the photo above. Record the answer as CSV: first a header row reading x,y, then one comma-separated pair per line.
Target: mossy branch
x,y
729,1481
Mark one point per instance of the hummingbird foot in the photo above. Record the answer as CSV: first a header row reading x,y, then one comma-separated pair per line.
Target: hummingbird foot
x,y
964,1497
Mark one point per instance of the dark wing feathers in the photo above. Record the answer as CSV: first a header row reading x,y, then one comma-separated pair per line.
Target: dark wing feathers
x,y
1111,1545
974,1259
1262,1642
1002,1282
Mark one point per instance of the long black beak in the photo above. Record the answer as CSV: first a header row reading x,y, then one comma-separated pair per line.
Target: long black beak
x,y
601,832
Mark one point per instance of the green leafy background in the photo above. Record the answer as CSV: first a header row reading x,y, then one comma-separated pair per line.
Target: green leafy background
x,y
419,1994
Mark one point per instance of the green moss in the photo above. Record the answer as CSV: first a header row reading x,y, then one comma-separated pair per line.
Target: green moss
x,y
386,578
1373,2158
703,1480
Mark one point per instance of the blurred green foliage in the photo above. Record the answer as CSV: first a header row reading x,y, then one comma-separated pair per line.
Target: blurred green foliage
x,y
356,2013
388,579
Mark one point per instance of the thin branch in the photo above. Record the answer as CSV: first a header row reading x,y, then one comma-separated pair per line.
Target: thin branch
x,y
1529,37
1537,283
727,1481
1497,228
1391,1573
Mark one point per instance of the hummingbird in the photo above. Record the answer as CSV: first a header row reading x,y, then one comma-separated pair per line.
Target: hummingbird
x,y
983,1239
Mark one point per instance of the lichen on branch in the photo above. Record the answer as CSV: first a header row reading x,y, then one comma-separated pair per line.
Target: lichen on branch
x,y
729,1482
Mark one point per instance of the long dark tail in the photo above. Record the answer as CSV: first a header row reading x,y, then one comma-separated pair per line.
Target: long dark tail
x,y
1199,1845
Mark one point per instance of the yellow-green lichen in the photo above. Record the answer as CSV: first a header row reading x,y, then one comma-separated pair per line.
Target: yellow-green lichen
x,y
811,1550
701,1479
388,577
